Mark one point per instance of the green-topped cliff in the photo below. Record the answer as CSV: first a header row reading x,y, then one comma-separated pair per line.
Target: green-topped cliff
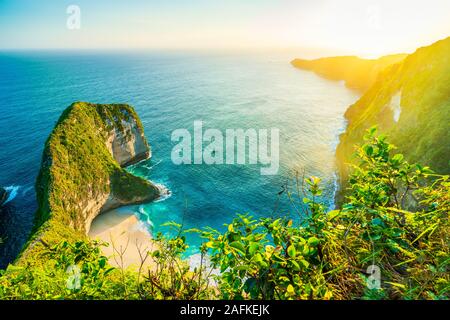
x,y
410,102
82,172
357,73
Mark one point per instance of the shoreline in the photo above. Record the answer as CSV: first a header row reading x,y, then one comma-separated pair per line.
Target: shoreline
x,y
127,237
336,174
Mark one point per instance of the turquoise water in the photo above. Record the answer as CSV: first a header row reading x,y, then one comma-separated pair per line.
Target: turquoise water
x,y
170,90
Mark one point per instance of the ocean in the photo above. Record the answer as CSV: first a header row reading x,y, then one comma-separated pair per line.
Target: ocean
x,y
170,90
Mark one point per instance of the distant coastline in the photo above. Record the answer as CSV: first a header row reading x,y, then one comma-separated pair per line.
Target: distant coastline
x,y
358,73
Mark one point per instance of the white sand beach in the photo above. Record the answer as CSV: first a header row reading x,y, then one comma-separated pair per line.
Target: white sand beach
x,y
125,234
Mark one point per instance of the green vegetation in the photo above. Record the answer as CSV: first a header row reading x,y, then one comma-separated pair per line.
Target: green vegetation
x,y
323,255
411,103
78,171
358,73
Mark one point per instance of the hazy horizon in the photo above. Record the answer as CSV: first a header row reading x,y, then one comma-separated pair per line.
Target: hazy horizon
x,y
364,28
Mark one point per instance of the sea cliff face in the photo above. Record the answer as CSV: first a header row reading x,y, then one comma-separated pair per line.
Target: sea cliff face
x,y
128,144
82,172
410,103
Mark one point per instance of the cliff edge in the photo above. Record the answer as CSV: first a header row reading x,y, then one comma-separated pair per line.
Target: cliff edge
x,y
358,73
82,172
409,102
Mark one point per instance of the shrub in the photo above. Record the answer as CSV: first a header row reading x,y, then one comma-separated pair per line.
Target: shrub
x,y
388,241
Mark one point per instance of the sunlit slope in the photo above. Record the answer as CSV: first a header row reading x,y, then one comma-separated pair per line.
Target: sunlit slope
x,y
356,72
410,102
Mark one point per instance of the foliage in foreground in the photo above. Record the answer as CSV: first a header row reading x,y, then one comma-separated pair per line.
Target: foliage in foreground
x,y
389,241
339,254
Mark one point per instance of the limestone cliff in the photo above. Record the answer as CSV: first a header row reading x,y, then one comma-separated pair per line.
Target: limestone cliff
x,y
82,172
128,144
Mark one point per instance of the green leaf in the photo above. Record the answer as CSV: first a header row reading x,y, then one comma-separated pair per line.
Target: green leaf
x,y
313,241
376,237
250,284
432,227
304,263
397,158
102,262
396,284
257,258
296,265
109,270
209,244
305,251
253,248
238,246
290,289
377,222
333,214
291,251
242,268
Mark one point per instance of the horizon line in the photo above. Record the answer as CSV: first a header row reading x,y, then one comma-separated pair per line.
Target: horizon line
x,y
312,51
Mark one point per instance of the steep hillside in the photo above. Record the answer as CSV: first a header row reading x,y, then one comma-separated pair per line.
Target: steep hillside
x,y
357,73
81,172
410,102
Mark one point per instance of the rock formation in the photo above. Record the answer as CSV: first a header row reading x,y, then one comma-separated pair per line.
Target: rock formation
x,y
357,73
82,172
410,103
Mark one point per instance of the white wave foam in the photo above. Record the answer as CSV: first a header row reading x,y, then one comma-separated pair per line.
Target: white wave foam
x,y
151,167
12,192
335,141
156,164
26,190
164,192
143,215
142,210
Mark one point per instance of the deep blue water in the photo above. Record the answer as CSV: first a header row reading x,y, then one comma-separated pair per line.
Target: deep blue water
x,y
170,90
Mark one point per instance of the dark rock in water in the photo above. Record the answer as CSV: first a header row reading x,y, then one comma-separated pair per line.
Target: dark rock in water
x,y
3,195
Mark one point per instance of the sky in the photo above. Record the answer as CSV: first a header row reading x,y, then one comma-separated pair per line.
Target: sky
x,y
362,27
